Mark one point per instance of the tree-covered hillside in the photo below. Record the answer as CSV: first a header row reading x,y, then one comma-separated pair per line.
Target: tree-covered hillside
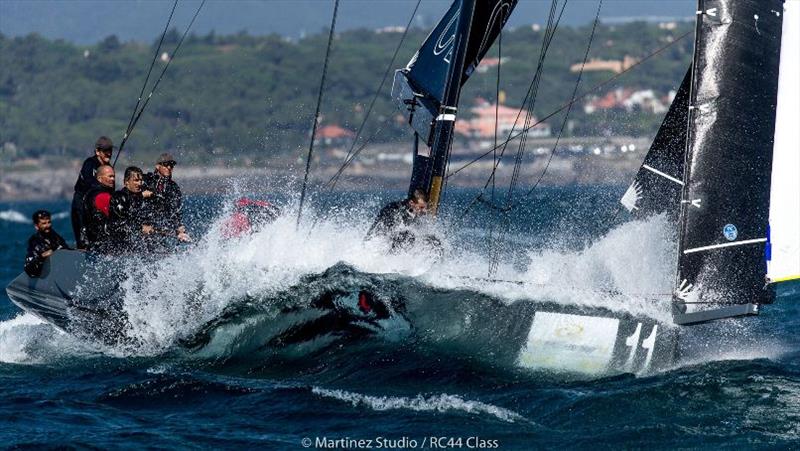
x,y
256,95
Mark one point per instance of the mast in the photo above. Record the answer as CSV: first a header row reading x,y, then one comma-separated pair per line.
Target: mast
x,y
427,90
444,123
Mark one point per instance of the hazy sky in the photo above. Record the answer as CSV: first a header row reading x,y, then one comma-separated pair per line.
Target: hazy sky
x,y
88,21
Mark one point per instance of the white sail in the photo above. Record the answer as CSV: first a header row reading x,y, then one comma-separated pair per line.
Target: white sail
x,y
784,214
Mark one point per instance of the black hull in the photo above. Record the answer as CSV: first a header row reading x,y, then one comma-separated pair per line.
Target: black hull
x,y
77,293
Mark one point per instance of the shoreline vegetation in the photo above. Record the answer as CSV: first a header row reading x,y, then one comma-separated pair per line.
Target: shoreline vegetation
x,y
241,106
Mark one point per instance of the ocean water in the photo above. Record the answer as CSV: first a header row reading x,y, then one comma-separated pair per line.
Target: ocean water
x,y
203,368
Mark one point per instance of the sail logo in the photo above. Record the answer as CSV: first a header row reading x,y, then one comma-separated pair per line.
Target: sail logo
x,y
730,232
501,11
446,39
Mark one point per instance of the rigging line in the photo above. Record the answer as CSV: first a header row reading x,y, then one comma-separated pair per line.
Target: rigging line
x,y
546,40
149,71
567,288
533,89
158,81
496,124
497,98
316,113
532,95
380,87
351,156
569,109
581,97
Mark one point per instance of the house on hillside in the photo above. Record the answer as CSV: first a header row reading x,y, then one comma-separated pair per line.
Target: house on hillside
x,y
333,136
628,99
481,126
615,66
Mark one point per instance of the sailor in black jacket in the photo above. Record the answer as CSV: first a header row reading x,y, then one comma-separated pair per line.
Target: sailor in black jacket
x,y
167,201
130,224
396,217
42,244
87,181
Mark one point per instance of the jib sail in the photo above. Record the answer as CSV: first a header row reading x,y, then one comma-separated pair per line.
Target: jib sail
x,y
428,88
657,186
725,200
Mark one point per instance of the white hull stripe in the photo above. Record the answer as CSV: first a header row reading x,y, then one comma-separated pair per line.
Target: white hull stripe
x,y
666,176
717,246
446,117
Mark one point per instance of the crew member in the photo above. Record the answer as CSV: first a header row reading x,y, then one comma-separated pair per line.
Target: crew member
x,y
86,181
167,201
96,210
397,217
129,225
42,244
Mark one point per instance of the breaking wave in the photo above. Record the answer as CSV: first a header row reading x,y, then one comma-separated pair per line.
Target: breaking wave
x,y
26,339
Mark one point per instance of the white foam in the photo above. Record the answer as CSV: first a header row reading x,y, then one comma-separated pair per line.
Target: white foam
x,y
13,216
21,218
436,403
25,339
191,288
628,270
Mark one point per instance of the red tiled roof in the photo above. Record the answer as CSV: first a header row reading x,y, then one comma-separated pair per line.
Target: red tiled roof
x,y
333,131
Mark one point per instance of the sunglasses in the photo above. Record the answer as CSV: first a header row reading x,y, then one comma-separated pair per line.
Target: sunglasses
x,y
169,164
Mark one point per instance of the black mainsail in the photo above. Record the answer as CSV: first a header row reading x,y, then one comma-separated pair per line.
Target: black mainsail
x,y
725,201
428,88
725,114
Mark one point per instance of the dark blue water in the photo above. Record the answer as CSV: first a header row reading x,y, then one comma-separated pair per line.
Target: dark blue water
x,y
201,377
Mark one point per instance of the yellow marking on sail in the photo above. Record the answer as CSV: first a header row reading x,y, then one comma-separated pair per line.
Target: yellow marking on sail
x,y
785,279
436,190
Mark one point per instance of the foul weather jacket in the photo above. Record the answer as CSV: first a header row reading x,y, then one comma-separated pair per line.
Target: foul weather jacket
x,y
86,181
38,244
164,208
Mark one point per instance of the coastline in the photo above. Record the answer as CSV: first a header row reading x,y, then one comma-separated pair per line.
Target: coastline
x,y
599,162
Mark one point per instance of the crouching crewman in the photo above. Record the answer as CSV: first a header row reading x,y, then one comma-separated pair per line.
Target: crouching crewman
x,y
42,244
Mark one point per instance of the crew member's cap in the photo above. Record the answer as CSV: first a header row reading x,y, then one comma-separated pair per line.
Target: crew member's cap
x,y
166,159
104,144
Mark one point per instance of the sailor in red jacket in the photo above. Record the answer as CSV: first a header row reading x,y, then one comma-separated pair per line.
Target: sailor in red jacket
x,y
98,202
248,216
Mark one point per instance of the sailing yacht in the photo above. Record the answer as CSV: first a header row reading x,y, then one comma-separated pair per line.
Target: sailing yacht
x,y
724,166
